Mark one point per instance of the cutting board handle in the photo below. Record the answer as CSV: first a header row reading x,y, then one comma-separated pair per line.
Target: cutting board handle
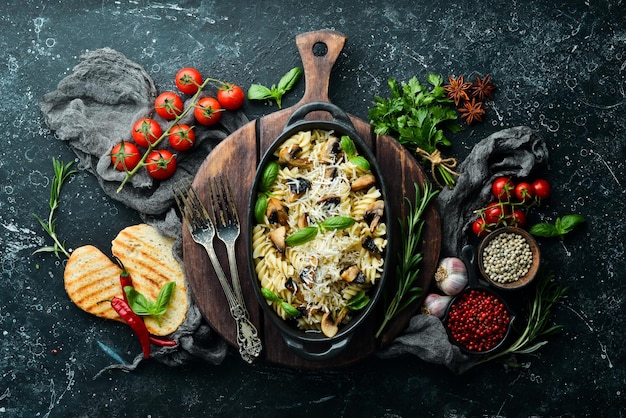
x,y
319,51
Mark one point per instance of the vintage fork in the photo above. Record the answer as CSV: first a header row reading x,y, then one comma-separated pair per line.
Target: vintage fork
x,y
228,229
202,231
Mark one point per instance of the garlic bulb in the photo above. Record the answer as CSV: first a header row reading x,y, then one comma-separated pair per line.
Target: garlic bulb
x,y
436,304
451,276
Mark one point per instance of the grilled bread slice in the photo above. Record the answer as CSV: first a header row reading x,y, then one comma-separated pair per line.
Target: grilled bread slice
x,y
147,256
91,280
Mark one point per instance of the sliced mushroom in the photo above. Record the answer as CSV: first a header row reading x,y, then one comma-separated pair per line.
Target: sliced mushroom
x,y
373,214
331,200
331,149
276,212
370,245
289,156
353,274
278,238
364,182
331,172
297,187
291,285
303,221
307,275
330,328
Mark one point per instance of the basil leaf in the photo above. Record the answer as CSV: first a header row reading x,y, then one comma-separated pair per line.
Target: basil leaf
x,y
360,162
259,92
289,309
260,207
302,236
269,175
338,222
348,146
163,299
138,302
544,229
358,301
289,79
568,222
269,295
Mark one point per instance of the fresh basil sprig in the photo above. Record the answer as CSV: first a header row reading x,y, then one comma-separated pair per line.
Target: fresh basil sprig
x,y
141,305
270,172
276,92
348,147
560,228
287,307
310,232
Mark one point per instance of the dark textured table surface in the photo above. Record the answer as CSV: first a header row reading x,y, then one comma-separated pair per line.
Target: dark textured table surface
x,y
560,67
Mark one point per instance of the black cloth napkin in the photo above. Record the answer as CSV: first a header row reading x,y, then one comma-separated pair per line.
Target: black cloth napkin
x,y
95,107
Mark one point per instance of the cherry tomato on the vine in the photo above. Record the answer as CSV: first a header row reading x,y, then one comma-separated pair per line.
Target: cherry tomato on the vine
x,y
502,188
161,164
479,227
168,105
495,213
182,137
188,80
146,131
125,156
524,192
231,96
518,218
542,188
208,111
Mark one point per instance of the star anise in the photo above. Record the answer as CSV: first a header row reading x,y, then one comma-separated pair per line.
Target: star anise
x,y
483,88
457,89
472,111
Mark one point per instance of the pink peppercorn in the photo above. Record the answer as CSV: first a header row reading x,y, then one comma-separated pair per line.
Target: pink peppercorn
x,y
478,320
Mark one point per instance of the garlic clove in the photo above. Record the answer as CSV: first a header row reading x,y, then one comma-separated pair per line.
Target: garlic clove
x,y
436,304
451,276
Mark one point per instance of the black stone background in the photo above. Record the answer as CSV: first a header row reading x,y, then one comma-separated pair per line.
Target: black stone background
x,y
560,68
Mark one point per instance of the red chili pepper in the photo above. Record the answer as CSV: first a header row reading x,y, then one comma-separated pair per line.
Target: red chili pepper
x,y
135,322
125,279
163,342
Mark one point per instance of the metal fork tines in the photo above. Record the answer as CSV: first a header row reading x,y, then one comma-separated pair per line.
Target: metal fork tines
x,y
202,231
228,229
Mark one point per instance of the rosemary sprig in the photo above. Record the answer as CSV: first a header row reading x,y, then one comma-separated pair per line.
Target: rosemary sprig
x,y
61,173
407,290
547,293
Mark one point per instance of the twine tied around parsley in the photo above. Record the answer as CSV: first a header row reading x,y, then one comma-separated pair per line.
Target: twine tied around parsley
x,y
437,163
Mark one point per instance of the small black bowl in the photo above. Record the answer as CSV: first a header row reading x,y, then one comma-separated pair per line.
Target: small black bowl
x,y
469,258
313,345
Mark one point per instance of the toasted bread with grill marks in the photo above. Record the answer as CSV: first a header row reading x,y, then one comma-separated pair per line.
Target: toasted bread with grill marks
x,y
91,280
147,256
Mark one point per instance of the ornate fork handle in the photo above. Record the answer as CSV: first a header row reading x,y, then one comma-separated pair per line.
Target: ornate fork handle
x,y
247,334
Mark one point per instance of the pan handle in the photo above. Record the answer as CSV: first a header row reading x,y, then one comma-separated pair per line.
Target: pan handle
x,y
339,116
335,348
319,51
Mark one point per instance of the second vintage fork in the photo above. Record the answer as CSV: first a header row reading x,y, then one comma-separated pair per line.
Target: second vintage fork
x,y
227,226
202,231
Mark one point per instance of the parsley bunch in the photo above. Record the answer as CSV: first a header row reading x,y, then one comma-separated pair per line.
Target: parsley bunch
x,y
418,115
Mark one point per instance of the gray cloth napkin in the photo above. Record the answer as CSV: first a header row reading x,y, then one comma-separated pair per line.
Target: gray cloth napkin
x,y
95,106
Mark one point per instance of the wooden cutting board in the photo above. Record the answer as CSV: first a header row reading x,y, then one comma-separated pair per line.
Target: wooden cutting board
x,y
236,158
